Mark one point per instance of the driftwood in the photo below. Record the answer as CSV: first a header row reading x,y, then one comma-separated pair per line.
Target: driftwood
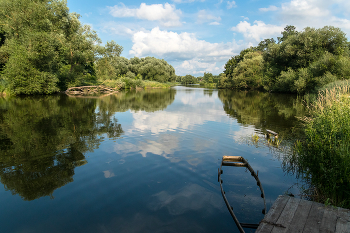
x,y
90,90
269,132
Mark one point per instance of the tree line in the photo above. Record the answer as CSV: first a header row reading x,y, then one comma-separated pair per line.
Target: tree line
x,y
298,62
45,49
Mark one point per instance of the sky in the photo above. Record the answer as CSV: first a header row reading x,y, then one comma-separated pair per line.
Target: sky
x,y
197,36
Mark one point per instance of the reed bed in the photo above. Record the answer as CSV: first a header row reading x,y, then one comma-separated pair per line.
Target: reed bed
x,y
323,155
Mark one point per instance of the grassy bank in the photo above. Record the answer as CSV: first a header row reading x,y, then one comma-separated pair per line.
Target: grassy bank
x,y
323,156
129,83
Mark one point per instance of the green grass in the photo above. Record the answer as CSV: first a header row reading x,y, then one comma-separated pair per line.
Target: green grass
x,y
335,84
129,83
154,84
323,156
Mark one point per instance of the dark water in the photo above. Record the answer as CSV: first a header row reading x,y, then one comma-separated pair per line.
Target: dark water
x,y
143,161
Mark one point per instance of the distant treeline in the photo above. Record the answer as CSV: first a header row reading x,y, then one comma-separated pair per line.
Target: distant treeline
x,y
45,49
298,62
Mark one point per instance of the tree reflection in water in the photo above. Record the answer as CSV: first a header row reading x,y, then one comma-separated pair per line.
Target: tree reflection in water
x,y
277,112
43,139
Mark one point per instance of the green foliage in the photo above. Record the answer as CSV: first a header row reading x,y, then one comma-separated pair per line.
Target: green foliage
x,y
323,52
110,50
154,69
233,62
323,156
263,45
44,47
148,68
224,81
188,79
132,83
289,30
114,83
300,62
153,84
248,72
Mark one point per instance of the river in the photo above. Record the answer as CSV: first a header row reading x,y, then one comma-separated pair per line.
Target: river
x,y
141,161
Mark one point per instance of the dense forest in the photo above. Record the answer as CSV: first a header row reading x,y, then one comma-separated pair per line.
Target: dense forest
x,y
45,49
298,62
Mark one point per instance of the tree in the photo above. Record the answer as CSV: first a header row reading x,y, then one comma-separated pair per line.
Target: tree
x,y
188,79
289,30
233,62
248,74
308,59
46,48
263,45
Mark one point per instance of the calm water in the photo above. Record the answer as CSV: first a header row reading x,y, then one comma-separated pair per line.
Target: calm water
x,y
143,161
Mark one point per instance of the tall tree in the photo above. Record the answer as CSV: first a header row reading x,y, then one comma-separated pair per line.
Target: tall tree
x,y
45,46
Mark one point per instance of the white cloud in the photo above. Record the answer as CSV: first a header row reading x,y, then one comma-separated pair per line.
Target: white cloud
x,y
162,121
214,23
187,1
314,13
258,31
118,29
203,16
231,5
196,66
304,8
190,198
270,8
165,147
183,46
166,14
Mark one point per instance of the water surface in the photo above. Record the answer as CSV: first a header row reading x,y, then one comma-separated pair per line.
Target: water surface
x,y
140,161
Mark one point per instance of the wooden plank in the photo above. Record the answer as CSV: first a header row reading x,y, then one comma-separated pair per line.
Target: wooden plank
x,y
272,132
267,224
314,219
286,216
298,222
343,226
298,216
343,221
232,158
329,220
343,213
234,164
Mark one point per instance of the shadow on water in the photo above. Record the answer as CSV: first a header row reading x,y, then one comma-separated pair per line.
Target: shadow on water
x,y
43,139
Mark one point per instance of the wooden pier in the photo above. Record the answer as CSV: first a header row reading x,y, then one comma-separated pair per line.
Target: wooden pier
x,y
289,215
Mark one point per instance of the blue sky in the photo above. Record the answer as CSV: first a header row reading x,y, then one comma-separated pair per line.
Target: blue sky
x,y
197,36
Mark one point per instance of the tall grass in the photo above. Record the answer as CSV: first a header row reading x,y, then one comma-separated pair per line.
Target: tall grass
x,y
129,83
323,156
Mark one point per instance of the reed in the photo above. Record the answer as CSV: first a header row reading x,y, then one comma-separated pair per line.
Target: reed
x,y
323,155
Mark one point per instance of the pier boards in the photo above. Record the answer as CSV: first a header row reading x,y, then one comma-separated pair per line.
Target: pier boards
x,y
289,214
